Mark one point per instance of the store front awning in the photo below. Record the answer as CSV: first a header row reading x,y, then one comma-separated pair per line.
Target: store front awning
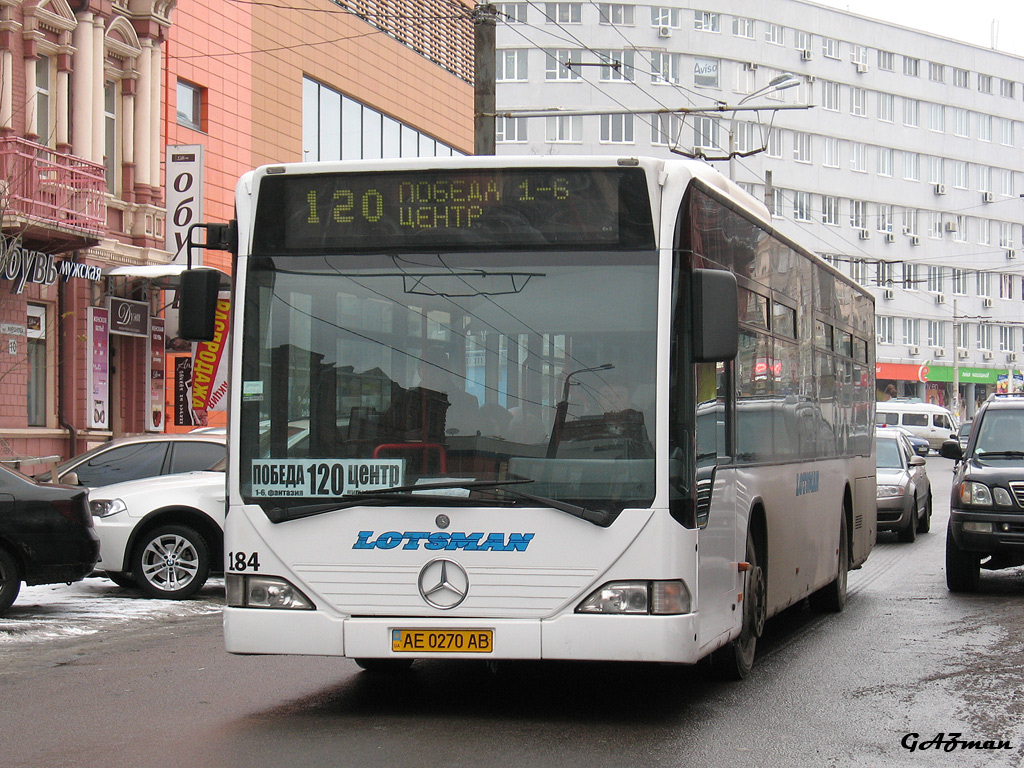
x,y
164,276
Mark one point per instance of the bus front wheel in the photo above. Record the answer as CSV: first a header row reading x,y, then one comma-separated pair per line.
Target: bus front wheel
x,y
832,597
734,660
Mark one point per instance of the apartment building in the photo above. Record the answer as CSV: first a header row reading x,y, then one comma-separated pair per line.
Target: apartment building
x,y
905,171
97,98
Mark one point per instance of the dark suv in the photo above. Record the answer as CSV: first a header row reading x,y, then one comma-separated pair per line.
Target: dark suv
x,y
986,520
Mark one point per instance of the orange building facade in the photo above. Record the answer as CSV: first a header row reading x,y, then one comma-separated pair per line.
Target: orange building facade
x,y
96,98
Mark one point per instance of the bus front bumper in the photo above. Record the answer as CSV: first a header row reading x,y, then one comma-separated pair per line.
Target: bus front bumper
x,y
570,637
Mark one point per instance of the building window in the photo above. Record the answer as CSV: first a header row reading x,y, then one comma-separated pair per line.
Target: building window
x,y
665,68
859,157
1006,132
662,16
665,129
936,333
45,104
985,83
190,105
830,48
859,272
707,133
1006,185
961,335
886,61
746,137
911,113
1005,234
511,65
830,96
1006,337
774,148
706,21
961,78
884,161
560,64
936,284
616,66
911,166
959,281
746,79
910,222
1007,88
513,13
336,127
801,40
1005,286
984,178
801,147
564,129
617,129
984,232
111,136
936,170
961,122
775,34
563,13
886,107
911,276
911,67
960,174
937,117
884,217
885,326
36,327
617,14
778,203
936,72
510,130
984,284
743,27
830,210
831,152
858,102
985,127
858,214
911,332
705,72
984,337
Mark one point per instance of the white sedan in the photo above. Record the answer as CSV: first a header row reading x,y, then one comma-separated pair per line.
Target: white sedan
x,y
162,534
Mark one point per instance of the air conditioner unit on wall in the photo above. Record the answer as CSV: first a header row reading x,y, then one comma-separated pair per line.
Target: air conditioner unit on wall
x,y
915,240
988,355
862,68
940,298
890,237
951,226
1011,357
806,55
1011,254
750,66
940,189
986,197
987,301
864,234
963,354
940,351
914,350
888,293
664,31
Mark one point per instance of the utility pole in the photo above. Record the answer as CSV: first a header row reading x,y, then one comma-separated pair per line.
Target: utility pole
x,y
485,18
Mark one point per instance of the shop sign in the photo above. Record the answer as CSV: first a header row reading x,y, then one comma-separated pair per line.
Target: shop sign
x,y
128,318
22,266
184,199
155,412
944,373
98,368
705,72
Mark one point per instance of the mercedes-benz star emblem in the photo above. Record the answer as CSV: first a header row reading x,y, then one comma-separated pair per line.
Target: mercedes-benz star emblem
x,y
443,583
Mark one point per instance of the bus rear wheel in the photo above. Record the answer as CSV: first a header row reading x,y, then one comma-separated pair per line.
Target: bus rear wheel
x,y
734,660
832,597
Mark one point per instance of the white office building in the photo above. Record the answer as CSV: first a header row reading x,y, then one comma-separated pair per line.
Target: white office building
x,y
906,173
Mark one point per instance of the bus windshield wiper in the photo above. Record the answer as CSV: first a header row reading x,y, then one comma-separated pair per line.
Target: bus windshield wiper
x,y
407,493
400,493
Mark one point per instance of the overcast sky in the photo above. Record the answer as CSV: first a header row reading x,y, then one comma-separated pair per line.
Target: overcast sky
x,y
970,22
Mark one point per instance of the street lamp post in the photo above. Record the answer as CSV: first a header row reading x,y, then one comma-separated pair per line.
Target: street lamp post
x,y
777,83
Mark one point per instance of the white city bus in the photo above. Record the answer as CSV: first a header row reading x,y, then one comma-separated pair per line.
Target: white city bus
x,y
547,408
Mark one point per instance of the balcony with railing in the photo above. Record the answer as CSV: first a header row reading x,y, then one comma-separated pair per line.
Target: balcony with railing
x,y
51,198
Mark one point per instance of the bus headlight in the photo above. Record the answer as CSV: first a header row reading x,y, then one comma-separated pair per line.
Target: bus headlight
x,y
658,598
264,592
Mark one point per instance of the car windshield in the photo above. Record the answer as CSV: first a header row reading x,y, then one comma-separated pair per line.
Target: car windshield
x,y
374,371
888,454
1001,432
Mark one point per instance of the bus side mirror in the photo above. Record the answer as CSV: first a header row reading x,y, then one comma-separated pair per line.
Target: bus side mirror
x,y
197,304
714,303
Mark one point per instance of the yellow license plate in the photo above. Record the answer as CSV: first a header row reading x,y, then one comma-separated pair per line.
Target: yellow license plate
x,y
442,640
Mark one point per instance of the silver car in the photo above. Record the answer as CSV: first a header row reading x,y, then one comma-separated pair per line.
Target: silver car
x,y
904,490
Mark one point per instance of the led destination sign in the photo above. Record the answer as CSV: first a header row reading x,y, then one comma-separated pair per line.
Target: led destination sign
x,y
455,208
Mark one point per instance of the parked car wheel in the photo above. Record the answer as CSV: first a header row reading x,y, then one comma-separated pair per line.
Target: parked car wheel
x,y
924,523
963,568
171,562
10,581
125,580
908,532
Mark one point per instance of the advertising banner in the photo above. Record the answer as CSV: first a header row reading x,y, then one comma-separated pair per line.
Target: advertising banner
x,y
184,199
155,412
210,368
99,368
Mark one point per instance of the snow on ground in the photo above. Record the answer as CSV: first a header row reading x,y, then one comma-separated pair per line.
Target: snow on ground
x,y
53,611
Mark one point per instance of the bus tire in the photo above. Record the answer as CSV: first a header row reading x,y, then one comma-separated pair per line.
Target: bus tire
x,y
734,660
10,581
832,597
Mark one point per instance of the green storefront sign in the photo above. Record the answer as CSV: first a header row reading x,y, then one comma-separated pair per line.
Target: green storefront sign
x,y
944,373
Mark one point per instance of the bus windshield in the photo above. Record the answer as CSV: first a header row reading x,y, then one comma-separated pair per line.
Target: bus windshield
x,y
363,372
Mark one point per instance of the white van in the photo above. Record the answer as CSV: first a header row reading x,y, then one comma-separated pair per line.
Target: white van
x,y
931,422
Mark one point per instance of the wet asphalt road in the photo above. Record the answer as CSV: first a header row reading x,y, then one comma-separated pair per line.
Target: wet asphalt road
x,y
905,657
